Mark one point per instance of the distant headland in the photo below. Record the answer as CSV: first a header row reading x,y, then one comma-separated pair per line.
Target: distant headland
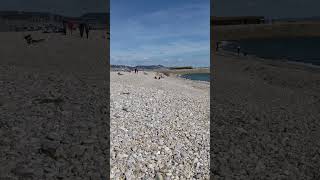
x,y
248,27
160,68
17,20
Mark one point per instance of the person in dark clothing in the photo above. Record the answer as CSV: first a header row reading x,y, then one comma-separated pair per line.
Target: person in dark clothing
x,y
217,46
81,28
70,26
87,28
238,49
64,27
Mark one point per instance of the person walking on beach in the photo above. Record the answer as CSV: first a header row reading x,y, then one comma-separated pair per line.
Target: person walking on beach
x,y
81,29
70,26
87,28
64,25
238,49
217,46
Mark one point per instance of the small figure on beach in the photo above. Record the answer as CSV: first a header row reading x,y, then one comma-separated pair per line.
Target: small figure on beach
x,y
238,49
81,29
64,25
70,26
87,28
217,46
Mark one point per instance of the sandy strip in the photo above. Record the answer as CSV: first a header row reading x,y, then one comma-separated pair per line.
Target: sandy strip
x,y
159,128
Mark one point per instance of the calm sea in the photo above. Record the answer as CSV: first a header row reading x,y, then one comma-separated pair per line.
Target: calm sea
x,y
303,50
197,76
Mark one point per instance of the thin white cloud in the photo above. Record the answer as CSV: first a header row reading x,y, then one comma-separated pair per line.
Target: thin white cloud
x,y
163,50
162,36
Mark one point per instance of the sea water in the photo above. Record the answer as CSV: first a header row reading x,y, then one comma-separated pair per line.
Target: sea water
x,y
302,50
197,76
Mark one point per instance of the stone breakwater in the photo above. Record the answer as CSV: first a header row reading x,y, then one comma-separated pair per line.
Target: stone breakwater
x,y
159,128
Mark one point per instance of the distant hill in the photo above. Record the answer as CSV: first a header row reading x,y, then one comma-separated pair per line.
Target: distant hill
x,y
28,16
151,67
98,17
182,67
145,67
315,18
22,13
16,20
102,18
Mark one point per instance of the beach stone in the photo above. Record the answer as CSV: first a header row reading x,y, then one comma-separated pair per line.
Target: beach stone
x,y
159,176
151,133
54,136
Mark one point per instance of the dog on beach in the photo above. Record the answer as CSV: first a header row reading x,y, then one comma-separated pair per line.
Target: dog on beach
x,y
30,40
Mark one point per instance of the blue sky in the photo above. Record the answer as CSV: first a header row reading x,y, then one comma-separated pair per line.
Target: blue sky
x,y
167,32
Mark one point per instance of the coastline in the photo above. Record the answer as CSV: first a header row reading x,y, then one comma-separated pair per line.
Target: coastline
x,y
271,61
179,73
307,57
253,31
186,71
184,78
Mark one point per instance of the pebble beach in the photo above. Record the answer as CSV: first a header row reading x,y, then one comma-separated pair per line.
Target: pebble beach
x,y
265,122
159,127
54,106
